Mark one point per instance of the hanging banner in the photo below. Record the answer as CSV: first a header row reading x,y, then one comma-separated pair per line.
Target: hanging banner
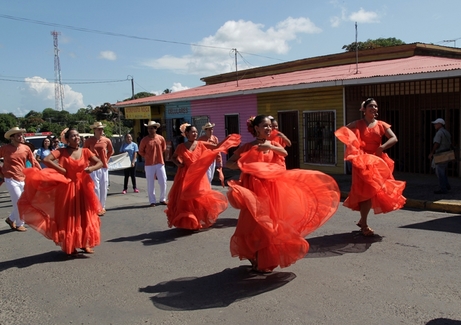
x,y
138,113
117,162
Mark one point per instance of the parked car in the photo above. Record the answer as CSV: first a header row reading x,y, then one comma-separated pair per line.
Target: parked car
x,y
36,139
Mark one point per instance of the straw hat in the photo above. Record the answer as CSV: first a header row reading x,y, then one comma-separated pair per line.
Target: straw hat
x,y
208,125
12,131
97,125
152,123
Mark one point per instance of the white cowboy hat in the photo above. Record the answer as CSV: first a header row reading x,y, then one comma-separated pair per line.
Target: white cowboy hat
x,y
97,125
12,131
439,120
152,123
208,125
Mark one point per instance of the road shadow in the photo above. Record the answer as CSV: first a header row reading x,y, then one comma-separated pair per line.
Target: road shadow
x,y
48,257
224,223
216,290
6,231
447,224
131,207
157,237
443,321
340,244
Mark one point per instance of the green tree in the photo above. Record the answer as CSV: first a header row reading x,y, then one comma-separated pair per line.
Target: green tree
x,y
105,112
32,123
371,44
33,114
142,94
7,121
82,119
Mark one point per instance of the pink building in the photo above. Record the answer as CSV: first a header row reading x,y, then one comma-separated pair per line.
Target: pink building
x,y
228,113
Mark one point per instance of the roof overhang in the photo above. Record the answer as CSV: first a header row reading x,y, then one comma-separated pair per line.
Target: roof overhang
x,y
311,85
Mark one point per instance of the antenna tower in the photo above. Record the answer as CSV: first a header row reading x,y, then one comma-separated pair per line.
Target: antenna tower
x,y
58,89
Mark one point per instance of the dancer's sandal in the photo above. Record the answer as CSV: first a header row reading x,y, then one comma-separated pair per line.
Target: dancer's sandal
x,y
88,250
366,231
75,253
254,264
254,267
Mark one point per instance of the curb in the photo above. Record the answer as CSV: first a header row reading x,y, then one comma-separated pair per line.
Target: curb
x,y
439,206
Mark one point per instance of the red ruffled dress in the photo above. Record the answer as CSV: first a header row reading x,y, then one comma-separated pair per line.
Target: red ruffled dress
x,y
275,138
192,204
372,177
278,208
62,208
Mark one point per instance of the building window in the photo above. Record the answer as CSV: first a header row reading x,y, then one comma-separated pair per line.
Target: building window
x,y
198,122
319,139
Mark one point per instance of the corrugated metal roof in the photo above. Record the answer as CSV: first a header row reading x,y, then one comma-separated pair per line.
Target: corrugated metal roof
x,y
308,78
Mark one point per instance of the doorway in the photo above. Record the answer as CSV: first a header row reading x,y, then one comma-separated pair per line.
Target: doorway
x,y
232,126
288,125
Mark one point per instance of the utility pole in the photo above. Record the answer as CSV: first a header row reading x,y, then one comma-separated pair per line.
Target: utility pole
x,y
450,41
356,51
236,69
58,89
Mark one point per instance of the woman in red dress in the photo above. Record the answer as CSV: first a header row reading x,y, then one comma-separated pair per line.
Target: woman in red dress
x,y
59,202
192,204
278,207
373,185
278,136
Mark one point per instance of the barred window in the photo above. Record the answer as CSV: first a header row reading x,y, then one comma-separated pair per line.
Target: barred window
x,y
319,139
198,122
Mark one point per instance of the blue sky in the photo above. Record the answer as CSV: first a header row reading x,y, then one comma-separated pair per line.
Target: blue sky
x,y
104,43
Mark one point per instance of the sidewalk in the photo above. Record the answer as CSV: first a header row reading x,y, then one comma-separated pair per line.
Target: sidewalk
x,y
419,189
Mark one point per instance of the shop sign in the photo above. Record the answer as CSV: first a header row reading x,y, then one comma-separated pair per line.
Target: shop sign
x,y
137,113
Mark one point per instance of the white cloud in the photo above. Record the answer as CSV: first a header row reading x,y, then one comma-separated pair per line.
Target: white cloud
x,y
108,55
40,92
215,55
362,16
177,86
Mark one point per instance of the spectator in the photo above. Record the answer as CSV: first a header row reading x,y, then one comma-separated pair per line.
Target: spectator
x,y
441,143
132,149
43,151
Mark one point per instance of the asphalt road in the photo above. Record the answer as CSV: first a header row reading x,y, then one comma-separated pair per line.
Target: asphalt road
x,y
146,273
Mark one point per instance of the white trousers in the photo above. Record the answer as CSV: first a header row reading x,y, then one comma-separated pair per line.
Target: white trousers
x,y
210,171
100,179
159,171
15,188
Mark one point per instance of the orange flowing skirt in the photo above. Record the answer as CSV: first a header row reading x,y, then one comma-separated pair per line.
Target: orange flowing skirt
x,y
192,204
62,210
278,208
372,177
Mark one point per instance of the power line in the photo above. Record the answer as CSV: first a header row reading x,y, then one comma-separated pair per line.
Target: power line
x,y
64,82
95,31
449,41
